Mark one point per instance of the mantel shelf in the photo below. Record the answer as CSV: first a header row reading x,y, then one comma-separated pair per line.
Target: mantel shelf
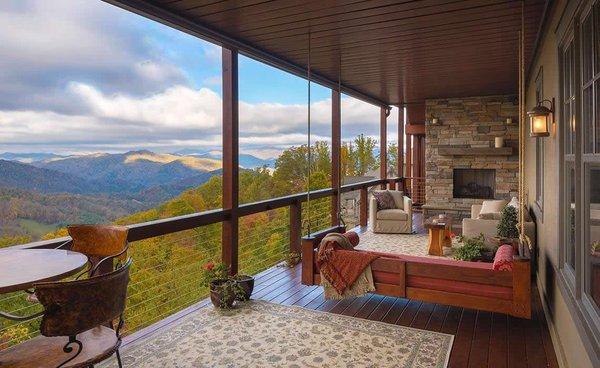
x,y
474,151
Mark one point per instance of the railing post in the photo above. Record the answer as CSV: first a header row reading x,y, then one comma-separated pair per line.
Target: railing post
x,y
229,240
296,227
383,112
400,160
392,184
364,196
336,143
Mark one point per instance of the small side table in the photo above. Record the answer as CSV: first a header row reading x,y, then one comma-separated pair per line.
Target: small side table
x,y
439,234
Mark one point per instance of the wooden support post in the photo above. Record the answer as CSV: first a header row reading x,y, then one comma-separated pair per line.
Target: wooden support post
x,y
400,142
364,206
295,227
229,251
416,157
408,162
336,144
383,145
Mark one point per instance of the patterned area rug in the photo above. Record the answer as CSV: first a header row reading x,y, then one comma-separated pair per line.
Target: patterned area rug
x,y
262,334
411,244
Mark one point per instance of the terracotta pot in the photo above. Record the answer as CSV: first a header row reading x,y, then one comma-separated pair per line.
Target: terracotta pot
x,y
221,293
247,284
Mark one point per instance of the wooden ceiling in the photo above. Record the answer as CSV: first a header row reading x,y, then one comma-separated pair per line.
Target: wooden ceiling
x,y
391,51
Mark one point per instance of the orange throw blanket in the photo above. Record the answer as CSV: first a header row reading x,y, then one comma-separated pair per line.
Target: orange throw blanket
x,y
341,266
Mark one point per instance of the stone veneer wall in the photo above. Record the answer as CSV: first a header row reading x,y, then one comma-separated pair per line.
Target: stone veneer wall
x,y
465,122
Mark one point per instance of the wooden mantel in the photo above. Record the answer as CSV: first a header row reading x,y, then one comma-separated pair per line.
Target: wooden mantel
x,y
474,151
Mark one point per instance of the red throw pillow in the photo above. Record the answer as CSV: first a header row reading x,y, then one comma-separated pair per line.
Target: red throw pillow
x,y
503,258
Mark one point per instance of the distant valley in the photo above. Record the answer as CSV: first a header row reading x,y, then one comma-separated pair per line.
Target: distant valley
x,y
42,191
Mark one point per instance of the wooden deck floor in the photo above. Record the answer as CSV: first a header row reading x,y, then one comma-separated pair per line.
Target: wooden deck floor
x,y
482,339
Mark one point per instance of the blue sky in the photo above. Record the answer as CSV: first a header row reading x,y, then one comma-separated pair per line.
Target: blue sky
x,y
85,76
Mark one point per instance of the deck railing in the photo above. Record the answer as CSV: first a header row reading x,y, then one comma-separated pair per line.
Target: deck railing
x,y
169,253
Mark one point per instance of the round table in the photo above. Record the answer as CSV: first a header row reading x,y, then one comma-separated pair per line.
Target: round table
x,y
21,268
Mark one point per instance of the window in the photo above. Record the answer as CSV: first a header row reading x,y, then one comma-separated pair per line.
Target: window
x,y
539,147
580,78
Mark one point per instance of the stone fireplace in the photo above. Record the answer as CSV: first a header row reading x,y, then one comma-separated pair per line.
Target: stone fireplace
x,y
462,165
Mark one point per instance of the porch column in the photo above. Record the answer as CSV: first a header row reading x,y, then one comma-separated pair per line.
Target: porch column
x,y
229,251
401,122
336,143
383,145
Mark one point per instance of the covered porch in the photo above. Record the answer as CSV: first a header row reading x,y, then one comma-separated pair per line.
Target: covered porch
x,y
428,58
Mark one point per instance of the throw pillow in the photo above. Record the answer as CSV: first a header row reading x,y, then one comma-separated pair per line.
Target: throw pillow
x,y
384,199
493,206
503,258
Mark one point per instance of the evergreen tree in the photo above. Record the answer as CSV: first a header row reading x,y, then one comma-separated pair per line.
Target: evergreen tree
x,y
507,227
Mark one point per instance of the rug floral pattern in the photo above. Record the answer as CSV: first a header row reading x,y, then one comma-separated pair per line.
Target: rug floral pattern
x,y
262,334
411,244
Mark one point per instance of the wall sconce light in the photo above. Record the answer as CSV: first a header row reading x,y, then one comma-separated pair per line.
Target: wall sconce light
x,y
434,120
509,121
540,118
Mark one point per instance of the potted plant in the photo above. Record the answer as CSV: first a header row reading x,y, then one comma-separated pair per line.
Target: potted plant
x,y
507,230
246,283
471,249
596,248
223,288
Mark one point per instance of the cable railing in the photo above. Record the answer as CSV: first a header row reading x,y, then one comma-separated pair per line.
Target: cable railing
x,y
169,254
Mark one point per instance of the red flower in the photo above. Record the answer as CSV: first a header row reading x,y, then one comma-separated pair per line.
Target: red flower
x,y
452,235
209,266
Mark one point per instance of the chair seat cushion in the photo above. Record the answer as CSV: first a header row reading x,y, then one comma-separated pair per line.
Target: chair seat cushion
x,y
98,344
394,214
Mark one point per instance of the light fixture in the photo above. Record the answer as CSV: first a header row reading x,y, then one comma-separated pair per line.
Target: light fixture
x,y
434,120
539,119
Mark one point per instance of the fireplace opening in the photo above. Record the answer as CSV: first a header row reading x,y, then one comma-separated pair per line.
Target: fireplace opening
x,y
474,183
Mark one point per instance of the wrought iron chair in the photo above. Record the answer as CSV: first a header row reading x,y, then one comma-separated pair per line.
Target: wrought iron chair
x,y
75,322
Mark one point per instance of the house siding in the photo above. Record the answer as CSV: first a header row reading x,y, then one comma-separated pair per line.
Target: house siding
x,y
572,346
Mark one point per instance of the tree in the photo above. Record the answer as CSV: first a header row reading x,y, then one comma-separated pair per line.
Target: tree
x,y
507,226
348,159
392,159
365,157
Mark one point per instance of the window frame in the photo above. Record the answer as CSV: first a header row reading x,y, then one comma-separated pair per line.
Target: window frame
x,y
574,282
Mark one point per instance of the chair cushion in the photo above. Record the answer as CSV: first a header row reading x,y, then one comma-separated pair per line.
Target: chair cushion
x,y
98,344
384,199
489,216
394,214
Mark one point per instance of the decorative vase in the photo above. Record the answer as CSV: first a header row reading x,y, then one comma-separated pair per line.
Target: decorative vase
x,y
499,142
221,293
246,283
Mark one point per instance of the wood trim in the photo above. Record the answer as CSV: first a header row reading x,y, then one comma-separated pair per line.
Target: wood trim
x,y
229,237
457,273
521,287
336,143
415,129
461,300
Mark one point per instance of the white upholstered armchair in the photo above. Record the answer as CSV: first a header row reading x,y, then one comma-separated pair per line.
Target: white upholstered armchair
x,y
392,221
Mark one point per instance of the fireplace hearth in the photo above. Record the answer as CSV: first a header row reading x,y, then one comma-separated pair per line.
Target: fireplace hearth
x,y
474,183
